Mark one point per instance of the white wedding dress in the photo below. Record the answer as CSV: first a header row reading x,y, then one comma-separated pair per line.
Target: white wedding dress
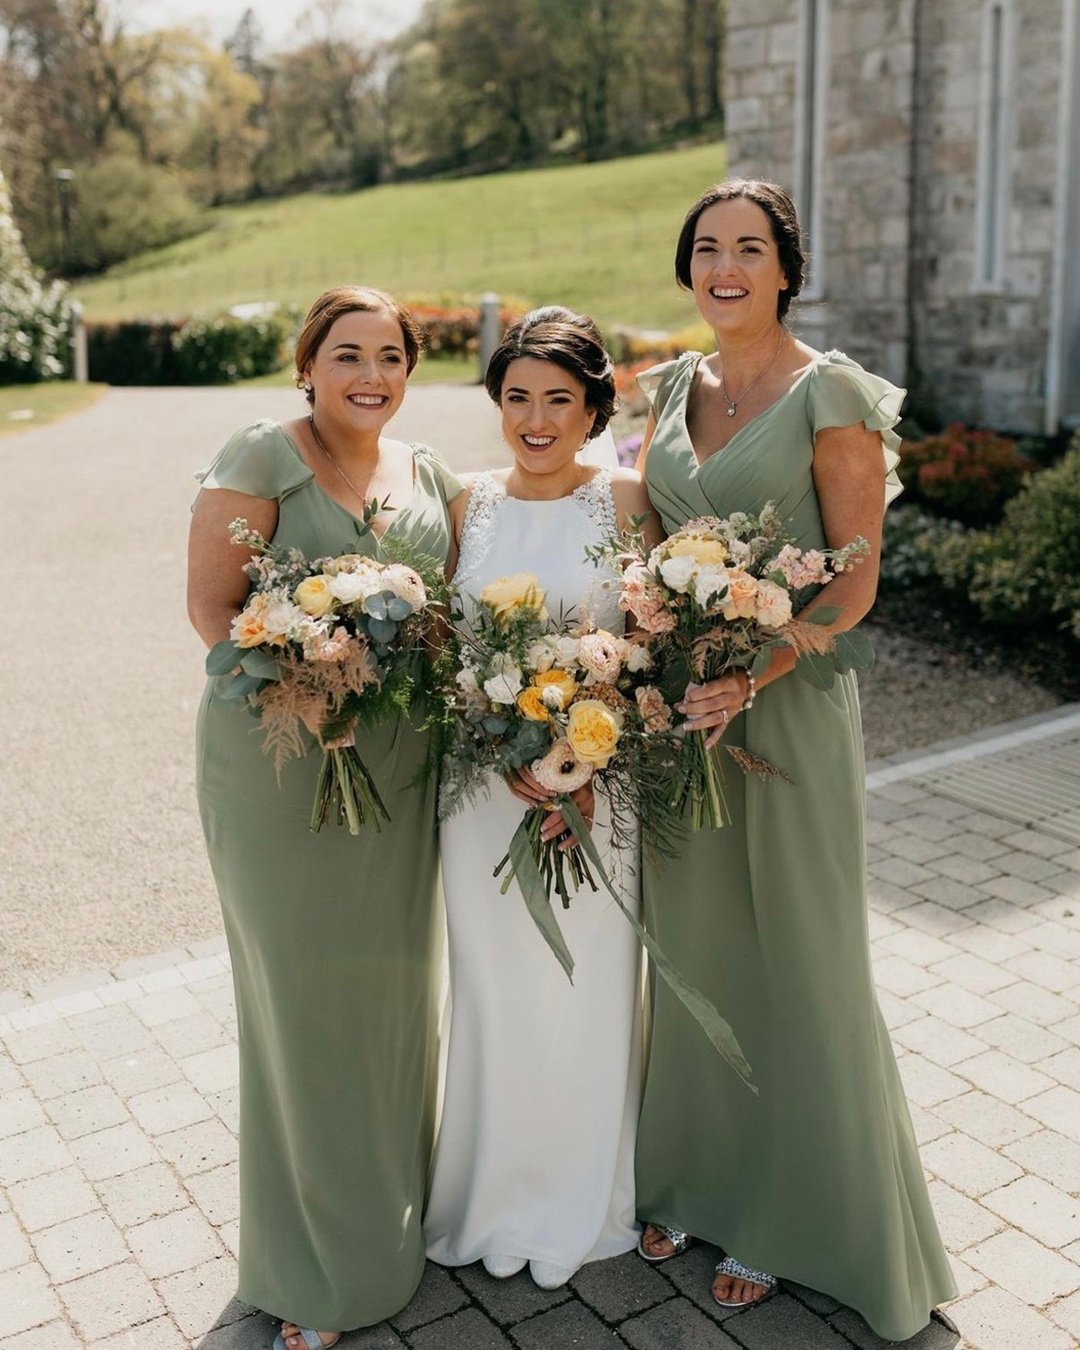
x,y
535,1151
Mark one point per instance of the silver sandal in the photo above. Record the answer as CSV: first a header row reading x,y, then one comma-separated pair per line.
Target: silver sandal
x,y
678,1239
737,1271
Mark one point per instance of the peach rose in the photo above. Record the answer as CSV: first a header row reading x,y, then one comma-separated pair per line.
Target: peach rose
x,y
314,596
593,731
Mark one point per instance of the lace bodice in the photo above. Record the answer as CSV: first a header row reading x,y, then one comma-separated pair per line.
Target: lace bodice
x,y
502,535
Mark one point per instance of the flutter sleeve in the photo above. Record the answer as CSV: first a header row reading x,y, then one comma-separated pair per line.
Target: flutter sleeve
x,y
656,382
446,481
259,460
842,393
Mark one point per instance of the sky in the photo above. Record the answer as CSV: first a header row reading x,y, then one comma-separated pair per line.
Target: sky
x,y
218,18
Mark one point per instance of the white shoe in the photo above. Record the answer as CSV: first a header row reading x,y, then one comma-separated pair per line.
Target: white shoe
x,y
502,1267
548,1276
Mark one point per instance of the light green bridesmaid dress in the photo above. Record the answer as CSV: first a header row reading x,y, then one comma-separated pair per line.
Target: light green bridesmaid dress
x,y
818,1178
334,941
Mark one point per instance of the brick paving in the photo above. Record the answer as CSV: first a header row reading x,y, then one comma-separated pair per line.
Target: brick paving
x,y
118,1149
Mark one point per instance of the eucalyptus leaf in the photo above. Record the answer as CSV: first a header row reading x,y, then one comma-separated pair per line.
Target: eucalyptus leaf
x,y
382,630
375,605
815,669
261,664
822,614
398,609
222,657
853,651
240,687
494,726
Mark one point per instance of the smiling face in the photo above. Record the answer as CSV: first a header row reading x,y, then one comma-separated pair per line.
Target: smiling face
x,y
545,419
359,371
735,268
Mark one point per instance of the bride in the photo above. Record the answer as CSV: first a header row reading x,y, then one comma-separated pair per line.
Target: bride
x,y
534,1162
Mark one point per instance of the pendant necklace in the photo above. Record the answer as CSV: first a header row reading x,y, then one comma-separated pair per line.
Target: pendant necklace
x,y
733,403
333,461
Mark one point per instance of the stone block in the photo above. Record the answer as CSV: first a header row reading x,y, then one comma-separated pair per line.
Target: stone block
x,y
51,1199
20,1111
80,1247
85,1112
217,1193
197,1297
994,1319
968,1166
972,973
963,1221
1021,1039
110,1153
508,1301
110,1032
142,1071
467,1330
437,1296
52,1336
782,1320
927,1083
169,1108
26,1300
147,1193
956,1006
1042,1211
172,1244
1045,969
1024,1267
675,1323
985,1118
14,1248
570,1324
32,1154
1004,1078
110,1301
198,1148
620,1287
38,1042
58,1075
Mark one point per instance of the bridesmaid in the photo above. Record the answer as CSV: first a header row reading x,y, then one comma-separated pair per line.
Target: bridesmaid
x,y
333,938
818,1178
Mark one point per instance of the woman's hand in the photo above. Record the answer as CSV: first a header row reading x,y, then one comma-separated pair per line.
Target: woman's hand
x,y
714,705
526,789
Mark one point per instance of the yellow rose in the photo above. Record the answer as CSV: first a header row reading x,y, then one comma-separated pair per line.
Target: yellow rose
x,y
506,595
703,548
531,704
556,682
593,731
314,597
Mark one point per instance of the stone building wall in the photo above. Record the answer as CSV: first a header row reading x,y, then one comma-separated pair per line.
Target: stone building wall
x,y
898,191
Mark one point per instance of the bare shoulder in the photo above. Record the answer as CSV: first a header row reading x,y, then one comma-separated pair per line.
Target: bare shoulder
x,y
628,489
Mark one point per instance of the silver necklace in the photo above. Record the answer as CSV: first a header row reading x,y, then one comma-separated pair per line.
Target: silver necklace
x,y
330,457
733,403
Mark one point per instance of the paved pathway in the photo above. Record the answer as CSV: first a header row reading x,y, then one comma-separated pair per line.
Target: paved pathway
x,y
118,1171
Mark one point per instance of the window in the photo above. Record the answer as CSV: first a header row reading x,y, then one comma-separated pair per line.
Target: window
x,y
810,100
992,181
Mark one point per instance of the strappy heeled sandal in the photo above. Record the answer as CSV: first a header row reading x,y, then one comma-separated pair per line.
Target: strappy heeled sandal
x,y
310,1337
678,1239
737,1271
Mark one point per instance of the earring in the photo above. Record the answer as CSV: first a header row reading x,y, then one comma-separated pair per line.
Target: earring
x,y
307,386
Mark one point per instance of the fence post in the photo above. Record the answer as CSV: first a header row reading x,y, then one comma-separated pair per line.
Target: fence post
x,y
490,329
80,361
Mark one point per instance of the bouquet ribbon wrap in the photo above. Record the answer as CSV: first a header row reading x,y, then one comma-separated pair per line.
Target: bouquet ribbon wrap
x,y
538,904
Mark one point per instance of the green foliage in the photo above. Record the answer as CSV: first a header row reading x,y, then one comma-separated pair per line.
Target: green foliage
x,y
226,349
1026,570
35,317
912,538
515,233
133,351
964,473
124,207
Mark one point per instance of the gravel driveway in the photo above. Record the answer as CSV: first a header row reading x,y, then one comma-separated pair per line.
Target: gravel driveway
x,y
101,855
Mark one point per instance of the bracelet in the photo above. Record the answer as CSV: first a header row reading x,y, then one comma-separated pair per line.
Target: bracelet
x,y
751,691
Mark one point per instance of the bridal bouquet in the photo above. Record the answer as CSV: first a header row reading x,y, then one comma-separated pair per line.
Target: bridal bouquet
x,y
573,704
324,645
719,596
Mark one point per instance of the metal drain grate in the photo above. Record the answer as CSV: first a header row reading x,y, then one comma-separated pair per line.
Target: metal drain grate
x,y
1037,784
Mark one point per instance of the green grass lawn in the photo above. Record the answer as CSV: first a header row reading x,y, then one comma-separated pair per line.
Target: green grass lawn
x,y
29,405
599,237
431,370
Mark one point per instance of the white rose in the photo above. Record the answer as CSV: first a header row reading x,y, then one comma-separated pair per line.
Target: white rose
x,y
772,605
282,617
348,587
541,654
711,580
406,584
678,572
637,658
466,680
566,651
505,682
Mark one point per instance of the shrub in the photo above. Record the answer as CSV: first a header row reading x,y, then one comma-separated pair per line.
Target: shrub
x,y
230,348
966,474
1026,570
910,544
35,317
133,351
452,327
124,207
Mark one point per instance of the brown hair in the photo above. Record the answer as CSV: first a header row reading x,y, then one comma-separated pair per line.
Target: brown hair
x,y
787,236
332,304
569,340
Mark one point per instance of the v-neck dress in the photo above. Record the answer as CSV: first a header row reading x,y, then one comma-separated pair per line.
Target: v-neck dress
x,y
818,1178
335,942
